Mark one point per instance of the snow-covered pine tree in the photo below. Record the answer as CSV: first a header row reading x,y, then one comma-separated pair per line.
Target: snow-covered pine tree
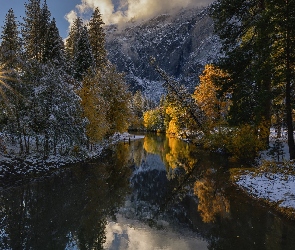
x,y
54,46
97,39
83,58
57,109
31,30
45,22
70,46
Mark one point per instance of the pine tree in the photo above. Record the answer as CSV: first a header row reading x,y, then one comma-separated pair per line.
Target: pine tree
x,y
83,59
10,48
11,61
245,36
74,34
60,108
282,20
258,44
97,39
45,23
54,46
31,30
78,50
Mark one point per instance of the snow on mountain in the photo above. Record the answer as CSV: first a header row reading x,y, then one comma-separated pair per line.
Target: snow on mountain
x,y
182,42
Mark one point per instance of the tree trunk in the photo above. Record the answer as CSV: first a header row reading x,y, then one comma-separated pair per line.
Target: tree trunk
x,y
289,117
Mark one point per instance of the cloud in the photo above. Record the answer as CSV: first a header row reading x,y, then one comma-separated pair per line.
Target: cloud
x,y
120,11
132,235
71,16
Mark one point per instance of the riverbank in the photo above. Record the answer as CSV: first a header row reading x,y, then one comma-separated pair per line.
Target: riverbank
x,y
14,166
273,181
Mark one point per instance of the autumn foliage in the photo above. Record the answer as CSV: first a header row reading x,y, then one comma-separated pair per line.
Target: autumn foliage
x,y
206,95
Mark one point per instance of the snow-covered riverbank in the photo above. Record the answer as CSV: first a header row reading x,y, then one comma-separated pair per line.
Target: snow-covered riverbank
x,y
13,165
273,181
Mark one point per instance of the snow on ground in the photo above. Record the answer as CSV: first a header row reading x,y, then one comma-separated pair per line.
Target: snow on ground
x,y
126,137
11,164
276,184
274,187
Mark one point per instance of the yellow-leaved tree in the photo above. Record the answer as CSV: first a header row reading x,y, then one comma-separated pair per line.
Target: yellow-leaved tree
x,y
115,92
105,101
154,120
206,95
94,108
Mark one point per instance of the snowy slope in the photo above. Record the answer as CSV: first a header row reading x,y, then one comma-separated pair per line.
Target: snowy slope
x,y
182,43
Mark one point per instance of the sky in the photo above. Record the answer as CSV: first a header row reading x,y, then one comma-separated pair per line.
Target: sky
x,y
113,11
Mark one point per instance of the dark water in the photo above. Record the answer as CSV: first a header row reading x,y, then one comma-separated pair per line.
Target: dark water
x,y
156,193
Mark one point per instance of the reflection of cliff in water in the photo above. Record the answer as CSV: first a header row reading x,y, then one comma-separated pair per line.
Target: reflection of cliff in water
x,y
195,190
149,185
158,187
149,181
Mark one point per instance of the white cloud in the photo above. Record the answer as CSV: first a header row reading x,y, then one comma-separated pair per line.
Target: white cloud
x,y
128,9
130,234
71,16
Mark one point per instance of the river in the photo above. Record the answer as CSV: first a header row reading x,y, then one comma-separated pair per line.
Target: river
x,y
152,193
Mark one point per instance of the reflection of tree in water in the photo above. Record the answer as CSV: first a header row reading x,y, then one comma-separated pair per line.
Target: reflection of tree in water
x,y
137,152
66,208
233,225
212,201
180,155
163,178
174,153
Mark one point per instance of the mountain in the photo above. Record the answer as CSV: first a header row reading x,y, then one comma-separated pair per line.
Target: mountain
x,y
182,42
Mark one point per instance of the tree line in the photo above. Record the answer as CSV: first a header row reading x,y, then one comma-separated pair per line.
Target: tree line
x,y
58,97
248,89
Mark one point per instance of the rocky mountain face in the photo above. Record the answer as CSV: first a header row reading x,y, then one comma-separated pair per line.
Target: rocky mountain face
x,y
181,42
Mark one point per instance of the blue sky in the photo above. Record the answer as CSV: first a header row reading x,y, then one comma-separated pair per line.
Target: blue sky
x,y
58,9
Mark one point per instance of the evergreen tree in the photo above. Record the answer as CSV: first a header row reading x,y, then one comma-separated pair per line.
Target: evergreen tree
x,y
54,46
31,30
44,26
242,27
97,39
282,19
75,31
78,50
83,59
10,54
58,107
253,34
10,48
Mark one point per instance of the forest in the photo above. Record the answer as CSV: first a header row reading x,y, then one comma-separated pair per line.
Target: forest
x,y
64,97
246,91
58,98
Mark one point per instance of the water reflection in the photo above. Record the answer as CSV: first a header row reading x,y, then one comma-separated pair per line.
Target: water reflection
x,y
150,194
176,183
162,179
212,200
65,209
131,234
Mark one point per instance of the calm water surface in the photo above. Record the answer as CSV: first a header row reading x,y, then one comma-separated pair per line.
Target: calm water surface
x,y
156,193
